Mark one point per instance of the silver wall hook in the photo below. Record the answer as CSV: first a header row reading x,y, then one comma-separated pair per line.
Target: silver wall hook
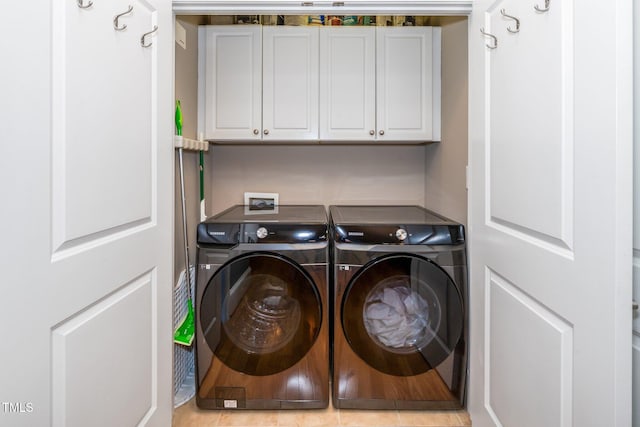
x,y
115,20
494,38
543,9
517,29
81,4
155,28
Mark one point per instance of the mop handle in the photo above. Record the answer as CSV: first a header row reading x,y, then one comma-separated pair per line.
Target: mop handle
x,y
202,207
184,223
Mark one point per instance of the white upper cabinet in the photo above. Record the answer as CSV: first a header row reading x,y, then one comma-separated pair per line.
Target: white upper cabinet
x,y
408,83
329,84
290,83
258,84
348,84
380,84
230,82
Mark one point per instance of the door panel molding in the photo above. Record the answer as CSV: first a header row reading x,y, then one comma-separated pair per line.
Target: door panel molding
x,y
551,244
546,369
100,349
86,207
530,142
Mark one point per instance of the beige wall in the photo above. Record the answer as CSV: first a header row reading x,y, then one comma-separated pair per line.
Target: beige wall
x,y
445,163
318,174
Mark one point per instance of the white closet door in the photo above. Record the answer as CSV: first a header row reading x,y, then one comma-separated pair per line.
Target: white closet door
x,y
550,214
290,83
636,221
348,83
230,83
636,261
86,231
408,82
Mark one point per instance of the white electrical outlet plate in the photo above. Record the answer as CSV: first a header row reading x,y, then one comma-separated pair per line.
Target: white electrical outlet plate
x,y
261,203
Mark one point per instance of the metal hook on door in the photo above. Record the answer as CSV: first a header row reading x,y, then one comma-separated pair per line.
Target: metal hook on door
x,y
546,6
155,28
494,38
514,18
81,4
115,20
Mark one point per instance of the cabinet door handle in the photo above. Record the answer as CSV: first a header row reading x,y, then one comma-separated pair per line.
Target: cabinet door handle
x,y
372,132
266,131
635,306
381,132
256,131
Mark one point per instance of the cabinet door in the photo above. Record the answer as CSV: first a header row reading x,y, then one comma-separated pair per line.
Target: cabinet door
x,y
348,84
230,82
290,83
408,83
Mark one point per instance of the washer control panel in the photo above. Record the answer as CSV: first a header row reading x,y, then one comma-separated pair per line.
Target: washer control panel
x,y
232,234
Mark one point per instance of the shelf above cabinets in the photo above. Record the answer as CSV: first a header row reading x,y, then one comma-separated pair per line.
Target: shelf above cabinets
x,y
302,84
346,7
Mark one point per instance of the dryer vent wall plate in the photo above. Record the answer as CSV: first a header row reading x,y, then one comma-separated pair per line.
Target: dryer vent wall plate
x,y
261,201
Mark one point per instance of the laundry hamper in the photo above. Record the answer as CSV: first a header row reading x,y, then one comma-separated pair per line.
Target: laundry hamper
x,y
183,357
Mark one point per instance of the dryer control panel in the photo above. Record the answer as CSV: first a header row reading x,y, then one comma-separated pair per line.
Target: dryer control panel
x,y
408,234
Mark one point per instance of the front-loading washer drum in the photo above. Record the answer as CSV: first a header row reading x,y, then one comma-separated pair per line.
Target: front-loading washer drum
x,y
260,313
402,314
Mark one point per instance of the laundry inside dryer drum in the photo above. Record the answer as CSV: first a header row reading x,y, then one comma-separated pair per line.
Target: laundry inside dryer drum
x,y
402,314
397,317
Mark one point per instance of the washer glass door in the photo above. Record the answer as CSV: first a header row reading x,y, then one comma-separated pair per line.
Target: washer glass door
x,y
402,314
260,313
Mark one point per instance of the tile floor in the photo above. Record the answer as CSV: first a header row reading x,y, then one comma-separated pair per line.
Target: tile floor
x,y
188,415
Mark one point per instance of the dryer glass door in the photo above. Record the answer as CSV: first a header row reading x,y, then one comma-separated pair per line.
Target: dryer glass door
x,y
402,314
260,313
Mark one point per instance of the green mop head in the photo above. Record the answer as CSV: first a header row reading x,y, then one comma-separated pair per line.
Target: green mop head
x,y
178,118
185,332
